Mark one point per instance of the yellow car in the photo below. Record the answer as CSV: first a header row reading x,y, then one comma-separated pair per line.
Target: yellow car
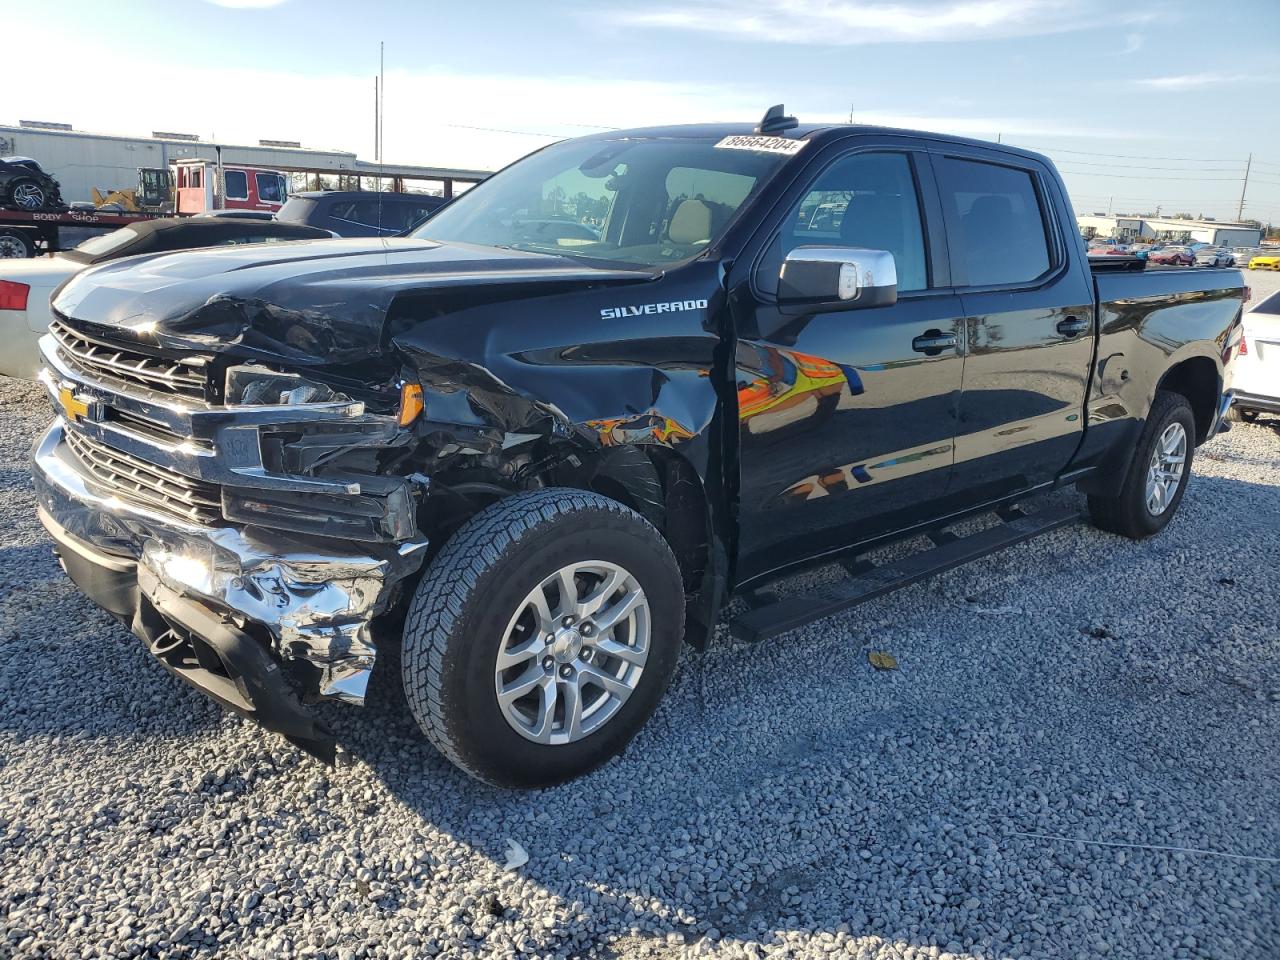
x,y
1265,263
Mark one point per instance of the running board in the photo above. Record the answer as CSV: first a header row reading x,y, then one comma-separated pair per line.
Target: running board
x,y
769,616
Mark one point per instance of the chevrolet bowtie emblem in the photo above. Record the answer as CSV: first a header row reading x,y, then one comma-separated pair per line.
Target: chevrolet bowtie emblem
x,y
72,406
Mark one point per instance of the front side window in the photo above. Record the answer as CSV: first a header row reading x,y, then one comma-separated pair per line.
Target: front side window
x,y
237,185
863,200
640,202
1002,237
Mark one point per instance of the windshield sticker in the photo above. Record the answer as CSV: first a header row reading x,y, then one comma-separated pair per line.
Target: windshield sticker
x,y
763,144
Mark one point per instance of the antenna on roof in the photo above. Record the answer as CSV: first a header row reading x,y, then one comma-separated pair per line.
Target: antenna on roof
x,y
776,121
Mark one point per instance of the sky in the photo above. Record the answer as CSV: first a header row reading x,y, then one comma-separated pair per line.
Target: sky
x,y
1140,104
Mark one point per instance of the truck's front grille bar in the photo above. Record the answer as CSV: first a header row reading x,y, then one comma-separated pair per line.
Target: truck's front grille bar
x,y
148,484
123,365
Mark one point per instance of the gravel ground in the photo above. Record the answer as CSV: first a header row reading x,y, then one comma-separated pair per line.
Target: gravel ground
x,y
1263,283
786,800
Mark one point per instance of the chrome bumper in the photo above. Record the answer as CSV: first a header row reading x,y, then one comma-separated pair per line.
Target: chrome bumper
x,y
308,599
314,603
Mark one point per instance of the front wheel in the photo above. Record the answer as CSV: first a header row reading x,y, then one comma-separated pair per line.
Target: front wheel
x,y
1157,477
542,637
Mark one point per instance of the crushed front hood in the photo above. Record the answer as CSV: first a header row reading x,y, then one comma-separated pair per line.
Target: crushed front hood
x,y
307,302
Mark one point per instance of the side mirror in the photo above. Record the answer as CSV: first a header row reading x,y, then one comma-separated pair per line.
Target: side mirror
x,y
838,278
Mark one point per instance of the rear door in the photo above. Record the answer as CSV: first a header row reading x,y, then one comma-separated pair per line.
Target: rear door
x,y
845,420
1029,321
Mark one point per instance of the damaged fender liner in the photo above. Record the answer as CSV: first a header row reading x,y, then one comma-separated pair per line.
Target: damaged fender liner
x,y
245,678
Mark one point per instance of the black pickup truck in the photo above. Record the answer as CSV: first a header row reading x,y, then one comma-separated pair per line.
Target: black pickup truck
x,y
549,436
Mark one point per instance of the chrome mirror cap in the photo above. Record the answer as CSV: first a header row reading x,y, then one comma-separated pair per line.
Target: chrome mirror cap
x,y
838,277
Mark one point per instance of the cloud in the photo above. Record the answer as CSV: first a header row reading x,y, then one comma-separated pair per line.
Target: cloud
x,y
1132,44
848,22
428,114
432,116
1189,81
246,4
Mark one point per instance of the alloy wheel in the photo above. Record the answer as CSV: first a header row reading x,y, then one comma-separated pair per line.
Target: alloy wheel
x,y
28,196
573,652
1165,472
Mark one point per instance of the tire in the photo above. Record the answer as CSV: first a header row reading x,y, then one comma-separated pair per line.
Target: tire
x,y
1131,513
14,245
474,600
27,194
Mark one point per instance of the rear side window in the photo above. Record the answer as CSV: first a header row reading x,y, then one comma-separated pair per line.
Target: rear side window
x,y
237,185
999,234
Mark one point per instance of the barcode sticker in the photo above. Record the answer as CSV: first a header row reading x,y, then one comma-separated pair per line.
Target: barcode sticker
x,y
762,144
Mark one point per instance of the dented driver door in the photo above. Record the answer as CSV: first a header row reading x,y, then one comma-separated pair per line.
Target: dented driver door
x,y
847,417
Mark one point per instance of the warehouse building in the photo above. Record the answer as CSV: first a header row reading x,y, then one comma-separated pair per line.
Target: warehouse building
x,y
84,161
1218,233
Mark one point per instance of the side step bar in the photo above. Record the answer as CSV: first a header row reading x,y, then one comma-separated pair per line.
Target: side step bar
x,y
769,616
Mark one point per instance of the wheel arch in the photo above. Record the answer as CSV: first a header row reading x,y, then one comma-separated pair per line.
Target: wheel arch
x,y
1199,379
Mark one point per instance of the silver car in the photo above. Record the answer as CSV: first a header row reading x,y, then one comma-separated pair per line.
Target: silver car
x,y
1215,257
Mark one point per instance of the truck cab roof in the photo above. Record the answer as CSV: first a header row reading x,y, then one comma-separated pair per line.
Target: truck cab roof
x,y
819,134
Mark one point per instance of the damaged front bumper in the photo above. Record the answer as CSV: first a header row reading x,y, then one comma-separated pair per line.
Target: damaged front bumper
x,y
140,491
261,621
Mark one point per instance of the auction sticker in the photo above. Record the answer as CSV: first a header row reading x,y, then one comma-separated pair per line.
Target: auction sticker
x,y
762,144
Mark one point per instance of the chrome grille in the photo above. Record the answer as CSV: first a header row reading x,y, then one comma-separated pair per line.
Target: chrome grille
x,y
148,484
125,365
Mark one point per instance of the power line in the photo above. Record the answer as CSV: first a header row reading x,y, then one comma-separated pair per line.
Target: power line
x,y
1134,176
1130,156
1143,166
527,133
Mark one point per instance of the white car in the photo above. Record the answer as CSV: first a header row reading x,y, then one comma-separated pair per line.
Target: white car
x,y
1256,371
1215,257
26,285
25,288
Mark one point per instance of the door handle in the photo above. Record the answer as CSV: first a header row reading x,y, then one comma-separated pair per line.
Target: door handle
x,y
933,342
1072,327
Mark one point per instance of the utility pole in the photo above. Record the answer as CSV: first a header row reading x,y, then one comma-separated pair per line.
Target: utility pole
x,y
1110,200
1240,210
382,78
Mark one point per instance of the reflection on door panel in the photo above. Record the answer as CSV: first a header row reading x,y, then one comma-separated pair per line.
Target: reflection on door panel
x,y
1029,347
844,426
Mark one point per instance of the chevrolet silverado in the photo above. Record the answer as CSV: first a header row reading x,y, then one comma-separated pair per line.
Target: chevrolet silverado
x,y
554,432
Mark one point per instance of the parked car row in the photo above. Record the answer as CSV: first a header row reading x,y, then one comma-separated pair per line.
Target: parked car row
x,y
1188,255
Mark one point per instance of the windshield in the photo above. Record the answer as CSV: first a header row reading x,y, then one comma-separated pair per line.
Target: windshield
x,y
635,202
105,243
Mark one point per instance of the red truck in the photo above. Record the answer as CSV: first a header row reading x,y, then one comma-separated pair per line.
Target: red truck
x,y
198,188
193,187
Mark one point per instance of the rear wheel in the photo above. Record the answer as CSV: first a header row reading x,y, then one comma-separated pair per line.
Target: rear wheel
x,y
26,194
1157,477
542,637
